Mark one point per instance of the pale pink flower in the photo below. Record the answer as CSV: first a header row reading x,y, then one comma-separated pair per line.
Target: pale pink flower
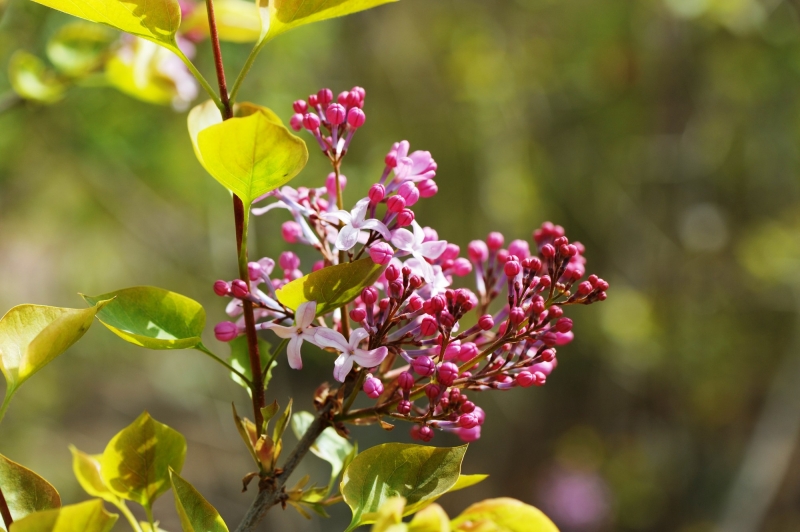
x,y
350,352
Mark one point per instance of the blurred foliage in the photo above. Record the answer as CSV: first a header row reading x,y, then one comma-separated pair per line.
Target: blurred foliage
x,y
663,134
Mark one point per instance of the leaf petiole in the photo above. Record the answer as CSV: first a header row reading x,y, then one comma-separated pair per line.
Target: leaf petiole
x,y
203,349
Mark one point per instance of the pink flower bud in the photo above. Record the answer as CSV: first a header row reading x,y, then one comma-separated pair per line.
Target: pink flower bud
x,y
425,433
461,267
318,266
549,339
517,315
381,253
432,392
468,351
545,281
601,285
452,351
369,295
226,331
602,296
447,319
428,327
520,248
391,159
311,121
430,234
495,240
532,263
405,380
313,100
376,193
296,121
405,218
336,114
290,231
415,281
564,325
392,273
358,315
448,373
342,98
396,204
486,322
222,288
468,421
548,251
502,256
469,435
373,387
330,184
450,252
427,188
548,355
539,378
356,118
555,312
414,302
404,407
325,96
524,379
239,289
300,106
289,261
254,270
423,366
512,268
467,407
409,192
477,251
438,303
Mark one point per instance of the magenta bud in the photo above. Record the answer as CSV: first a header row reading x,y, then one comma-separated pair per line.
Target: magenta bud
x,y
539,378
358,315
548,355
300,106
289,261
325,96
555,312
239,289
512,268
450,252
254,271
532,263
409,192
467,407
296,122
564,325
601,285
405,218
477,251
381,253
486,322
438,303
290,231
405,380
311,121
317,266
373,387
549,339
428,327
461,267
369,295
222,288
452,351
427,188
226,331
495,240
432,392
356,118
602,296
545,281
392,273
376,193
330,184
336,114
391,159
342,98
468,351
524,379
517,315
467,421
313,100
448,373
415,302
520,248
548,251
396,204
404,407
422,432
423,366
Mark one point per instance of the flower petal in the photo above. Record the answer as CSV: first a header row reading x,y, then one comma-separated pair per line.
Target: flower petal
x,y
419,234
403,239
337,216
425,267
305,314
342,367
433,249
293,352
325,337
359,212
370,359
281,330
376,225
348,237
358,336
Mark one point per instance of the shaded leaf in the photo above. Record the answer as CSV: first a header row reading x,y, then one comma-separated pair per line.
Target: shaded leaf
x,y
240,360
135,464
247,431
25,491
250,154
502,515
329,445
196,514
416,472
31,336
430,519
464,481
32,80
330,287
89,516
79,48
87,470
152,317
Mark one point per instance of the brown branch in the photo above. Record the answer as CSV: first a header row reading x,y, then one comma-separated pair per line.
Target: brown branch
x,y
223,88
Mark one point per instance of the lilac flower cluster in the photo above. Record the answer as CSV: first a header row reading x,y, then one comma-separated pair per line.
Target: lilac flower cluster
x,y
421,345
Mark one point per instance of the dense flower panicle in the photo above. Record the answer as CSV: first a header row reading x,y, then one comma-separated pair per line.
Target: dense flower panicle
x,y
421,345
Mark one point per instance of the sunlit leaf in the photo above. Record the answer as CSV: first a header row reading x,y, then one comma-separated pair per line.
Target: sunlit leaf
x,y
330,287
329,445
464,481
79,48
147,528
430,519
136,462
502,515
135,70
32,80
250,154
389,517
152,317
157,21
87,470
89,516
25,491
416,472
237,21
196,514
31,336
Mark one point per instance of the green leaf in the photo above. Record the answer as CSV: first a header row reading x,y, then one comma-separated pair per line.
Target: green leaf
x,y
390,515
240,360
283,421
157,21
279,16
430,519
416,472
79,48
32,80
196,514
31,336
147,528
25,491
87,470
464,481
502,515
89,516
329,445
152,317
237,21
250,154
330,287
136,462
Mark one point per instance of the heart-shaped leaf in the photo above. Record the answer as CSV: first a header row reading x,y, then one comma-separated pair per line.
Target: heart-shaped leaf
x,y
87,470
196,514
32,80
89,516
250,154
157,21
330,287
79,48
25,491
136,462
416,472
31,336
152,317
504,514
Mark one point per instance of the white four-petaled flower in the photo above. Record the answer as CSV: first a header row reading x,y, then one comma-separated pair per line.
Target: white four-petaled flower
x,y
299,332
414,243
350,352
355,222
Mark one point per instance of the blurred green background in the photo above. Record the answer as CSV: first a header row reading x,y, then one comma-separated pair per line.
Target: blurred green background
x,y
662,134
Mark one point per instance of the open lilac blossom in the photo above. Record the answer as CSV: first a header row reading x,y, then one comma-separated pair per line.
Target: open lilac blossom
x,y
414,244
350,352
418,166
299,332
355,223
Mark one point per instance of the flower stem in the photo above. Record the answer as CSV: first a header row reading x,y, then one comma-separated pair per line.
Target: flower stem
x,y
227,110
342,254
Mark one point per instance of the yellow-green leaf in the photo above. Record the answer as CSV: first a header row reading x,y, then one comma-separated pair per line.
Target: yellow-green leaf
x,y
237,21
155,20
430,519
32,80
196,514
251,154
152,317
390,515
136,70
502,515
330,287
416,472
87,470
464,481
136,462
89,516
79,48
25,491
31,336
